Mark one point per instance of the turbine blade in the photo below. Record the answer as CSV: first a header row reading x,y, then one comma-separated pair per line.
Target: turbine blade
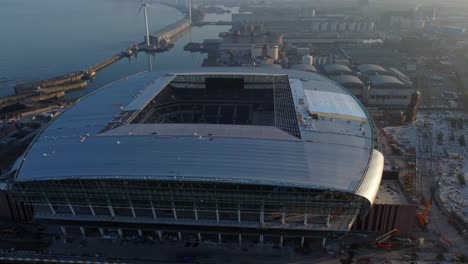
x,y
139,10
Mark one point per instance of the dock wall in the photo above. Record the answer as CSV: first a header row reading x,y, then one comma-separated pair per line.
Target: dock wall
x,y
171,31
108,62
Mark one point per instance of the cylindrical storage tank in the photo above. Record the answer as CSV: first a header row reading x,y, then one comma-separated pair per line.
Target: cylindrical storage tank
x,y
370,26
352,26
245,28
251,28
279,39
307,60
272,52
313,12
303,51
333,26
256,51
342,26
324,26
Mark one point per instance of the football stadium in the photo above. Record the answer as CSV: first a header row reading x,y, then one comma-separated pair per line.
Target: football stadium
x,y
219,154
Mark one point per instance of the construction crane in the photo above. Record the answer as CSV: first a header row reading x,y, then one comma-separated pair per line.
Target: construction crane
x,y
422,217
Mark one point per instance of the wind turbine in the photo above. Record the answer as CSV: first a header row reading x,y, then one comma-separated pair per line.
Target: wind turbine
x,y
150,61
143,6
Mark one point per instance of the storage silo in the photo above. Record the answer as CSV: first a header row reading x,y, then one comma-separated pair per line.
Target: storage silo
x,y
279,39
352,26
245,28
303,51
272,51
256,51
307,60
333,26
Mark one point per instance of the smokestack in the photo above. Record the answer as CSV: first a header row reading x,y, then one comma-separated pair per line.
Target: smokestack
x,y
434,15
189,8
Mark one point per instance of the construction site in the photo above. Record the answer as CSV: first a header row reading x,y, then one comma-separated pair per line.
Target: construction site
x,y
439,170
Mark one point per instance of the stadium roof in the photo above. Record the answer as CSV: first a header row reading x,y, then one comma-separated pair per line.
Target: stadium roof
x,y
332,68
346,79
334,151
365,68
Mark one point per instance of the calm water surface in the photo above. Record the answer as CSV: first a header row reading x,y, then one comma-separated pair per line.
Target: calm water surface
x,y
44,38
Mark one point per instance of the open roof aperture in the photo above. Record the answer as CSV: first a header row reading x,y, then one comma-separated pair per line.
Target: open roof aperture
x,y
252,100
212,100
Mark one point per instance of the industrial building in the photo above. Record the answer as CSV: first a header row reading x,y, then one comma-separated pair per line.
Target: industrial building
x,y
264,51
276,22
374,85
208,153
354,85
388,90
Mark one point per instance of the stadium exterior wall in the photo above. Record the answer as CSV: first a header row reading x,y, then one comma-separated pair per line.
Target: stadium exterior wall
x,y
179,202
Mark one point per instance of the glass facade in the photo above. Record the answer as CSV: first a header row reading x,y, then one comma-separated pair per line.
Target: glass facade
x,y
189,202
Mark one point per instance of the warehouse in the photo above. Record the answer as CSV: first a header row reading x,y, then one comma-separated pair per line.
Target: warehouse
x,y
354,85
389,91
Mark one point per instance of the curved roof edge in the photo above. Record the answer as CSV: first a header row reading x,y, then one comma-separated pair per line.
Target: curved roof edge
x,y
169,178
371,180
331,68
378,80
365,68
346,79
367,189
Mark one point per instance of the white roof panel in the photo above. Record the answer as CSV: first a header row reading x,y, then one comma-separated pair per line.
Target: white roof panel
x,y
149,93
330,103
